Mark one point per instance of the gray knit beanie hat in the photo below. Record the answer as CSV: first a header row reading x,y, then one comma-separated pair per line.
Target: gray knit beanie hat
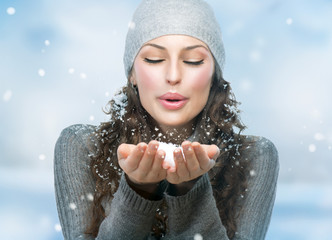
x,y
155,18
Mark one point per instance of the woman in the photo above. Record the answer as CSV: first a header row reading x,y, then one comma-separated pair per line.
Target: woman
x,y
112,181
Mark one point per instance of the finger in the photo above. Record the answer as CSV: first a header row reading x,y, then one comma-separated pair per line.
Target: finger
x,y
157,166
146,163
212,150
124,150
180,164
190,156
202,157
159,160
131,163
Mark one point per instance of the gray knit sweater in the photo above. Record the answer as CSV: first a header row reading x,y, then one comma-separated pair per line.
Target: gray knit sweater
x,y
190,216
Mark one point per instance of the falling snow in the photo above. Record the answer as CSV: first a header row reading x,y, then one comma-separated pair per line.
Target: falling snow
x,y
83,75
71,70
131,25
41,72
72,206
7,95
42,157
312,148
289,21
89,196
255,56
120,102
198,236
252,173
57,227
47,43
319,137
11,11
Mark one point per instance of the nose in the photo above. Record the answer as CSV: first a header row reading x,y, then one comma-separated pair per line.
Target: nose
x,y
173,75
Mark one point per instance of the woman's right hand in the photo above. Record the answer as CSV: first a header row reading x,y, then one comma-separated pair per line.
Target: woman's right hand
x,y
142,164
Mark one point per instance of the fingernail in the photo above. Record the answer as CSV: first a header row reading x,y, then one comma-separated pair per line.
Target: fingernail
x,y
187,148
161,155
141,148
177,151
153,147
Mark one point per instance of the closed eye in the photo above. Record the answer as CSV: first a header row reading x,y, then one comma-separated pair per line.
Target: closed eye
x,y
153,61
194,63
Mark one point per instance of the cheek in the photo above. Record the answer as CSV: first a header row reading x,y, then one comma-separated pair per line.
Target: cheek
x,y
145,77
201,79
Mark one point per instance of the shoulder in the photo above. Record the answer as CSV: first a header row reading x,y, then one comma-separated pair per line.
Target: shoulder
x,y
79,135
79,131
259,146
75,144
262,155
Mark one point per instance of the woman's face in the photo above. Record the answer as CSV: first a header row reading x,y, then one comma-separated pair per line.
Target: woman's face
x,y
173,74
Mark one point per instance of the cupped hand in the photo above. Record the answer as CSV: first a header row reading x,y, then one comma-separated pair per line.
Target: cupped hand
x,y
196,160
142,163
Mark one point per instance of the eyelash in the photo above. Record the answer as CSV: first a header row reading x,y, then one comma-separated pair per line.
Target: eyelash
x,y
195,63
161,60
153,61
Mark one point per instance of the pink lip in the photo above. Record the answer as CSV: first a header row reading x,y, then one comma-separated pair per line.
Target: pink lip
x,y
173,101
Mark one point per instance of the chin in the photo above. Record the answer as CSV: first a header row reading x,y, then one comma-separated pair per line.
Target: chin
x,y
175,124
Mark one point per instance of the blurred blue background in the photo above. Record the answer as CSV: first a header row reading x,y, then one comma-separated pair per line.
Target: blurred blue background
x,y
61,61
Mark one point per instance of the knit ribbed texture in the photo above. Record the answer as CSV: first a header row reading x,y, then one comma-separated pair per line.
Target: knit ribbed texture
x,y
155,18
74,184
131,216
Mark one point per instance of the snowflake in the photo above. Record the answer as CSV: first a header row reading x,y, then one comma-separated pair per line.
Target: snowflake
x,y
7,96
89,196
11,11
71,70
41,72
57,227
319,137
252,173
72,206
83,75
131,25
312,148
289,21
198,236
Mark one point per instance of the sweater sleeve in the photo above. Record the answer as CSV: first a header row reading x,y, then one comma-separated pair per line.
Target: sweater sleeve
x,y
74,184
131,216
195,214
254,219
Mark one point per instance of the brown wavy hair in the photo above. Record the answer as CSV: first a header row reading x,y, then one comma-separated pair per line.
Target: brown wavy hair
x,y
216,124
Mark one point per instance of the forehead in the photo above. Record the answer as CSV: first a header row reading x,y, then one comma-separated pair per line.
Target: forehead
x,y
176,41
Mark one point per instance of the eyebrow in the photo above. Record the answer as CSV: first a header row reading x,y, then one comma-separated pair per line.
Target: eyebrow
x,y
186,48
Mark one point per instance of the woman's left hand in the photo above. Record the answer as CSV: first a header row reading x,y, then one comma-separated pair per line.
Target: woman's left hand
x,y
196,160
